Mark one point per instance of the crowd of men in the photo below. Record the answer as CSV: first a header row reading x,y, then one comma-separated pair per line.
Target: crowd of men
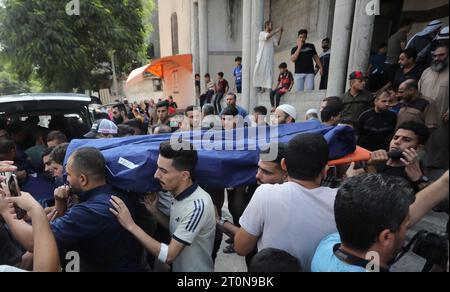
x,y
299,215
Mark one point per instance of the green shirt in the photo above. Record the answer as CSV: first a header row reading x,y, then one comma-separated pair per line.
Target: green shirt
x,y
354,106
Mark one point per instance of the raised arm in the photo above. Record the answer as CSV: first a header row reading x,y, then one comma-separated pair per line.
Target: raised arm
x,y
429,198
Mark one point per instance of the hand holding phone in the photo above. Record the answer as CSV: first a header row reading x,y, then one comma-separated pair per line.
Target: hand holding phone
x,y
14,191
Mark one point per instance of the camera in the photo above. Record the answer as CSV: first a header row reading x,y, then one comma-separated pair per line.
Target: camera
x,y
432,247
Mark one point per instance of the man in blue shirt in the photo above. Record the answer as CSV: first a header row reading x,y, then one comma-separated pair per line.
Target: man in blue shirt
x,y
238,74
231,101
89,228
376,231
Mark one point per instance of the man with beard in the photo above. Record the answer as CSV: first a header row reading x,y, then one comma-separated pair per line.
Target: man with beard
x,y
120,115
263,72
89,228
434,84
416,107
325,58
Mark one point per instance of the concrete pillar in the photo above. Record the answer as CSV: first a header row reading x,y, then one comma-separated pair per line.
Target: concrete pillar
x,y
203,39
340,46
246,52
361,43
195,37
257,26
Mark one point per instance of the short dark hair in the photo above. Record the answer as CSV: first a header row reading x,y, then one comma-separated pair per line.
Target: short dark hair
x,y
443,45
333,109
281,152
306,156
189,109
208,109
232,94
6,146
283,65
138,124
410,53
273,260
59,153
121,107
406,22
421,131
261,110
90,162
238,59
220,74
267,23
124,130
326,40
47,151
58,136
382,45
207,75
230,111
368,204
303,31
163,103
183,160
333,99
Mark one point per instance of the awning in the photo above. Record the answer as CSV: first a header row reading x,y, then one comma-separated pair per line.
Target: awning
x,y
159,66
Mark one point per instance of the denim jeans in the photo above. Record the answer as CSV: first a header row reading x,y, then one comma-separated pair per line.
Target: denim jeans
x,y
304,82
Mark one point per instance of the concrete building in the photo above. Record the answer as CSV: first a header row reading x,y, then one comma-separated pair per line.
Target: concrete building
x,y
216,31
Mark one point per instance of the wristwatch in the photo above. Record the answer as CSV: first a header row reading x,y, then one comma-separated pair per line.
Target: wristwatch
x,y
221,222
423,180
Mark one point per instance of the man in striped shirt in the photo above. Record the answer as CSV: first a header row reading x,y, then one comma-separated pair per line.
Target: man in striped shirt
x,y
192,222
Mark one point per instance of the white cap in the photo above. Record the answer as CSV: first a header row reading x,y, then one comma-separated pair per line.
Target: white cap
x,y
104,126
312,111
431,27
289,110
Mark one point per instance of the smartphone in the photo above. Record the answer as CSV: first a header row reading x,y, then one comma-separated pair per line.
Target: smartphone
x,y
396,155
14,191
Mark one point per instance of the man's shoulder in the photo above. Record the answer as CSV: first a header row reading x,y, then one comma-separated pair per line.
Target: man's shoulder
x,y
367,113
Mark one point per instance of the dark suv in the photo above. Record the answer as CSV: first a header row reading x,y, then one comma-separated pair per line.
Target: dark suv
x,y
45,106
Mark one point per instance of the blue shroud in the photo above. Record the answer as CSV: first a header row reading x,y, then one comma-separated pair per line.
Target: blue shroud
x,y
131,161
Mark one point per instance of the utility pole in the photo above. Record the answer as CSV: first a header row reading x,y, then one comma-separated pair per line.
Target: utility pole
x,y
115,83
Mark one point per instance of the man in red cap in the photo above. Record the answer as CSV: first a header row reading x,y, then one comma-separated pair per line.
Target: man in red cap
x,y
357,100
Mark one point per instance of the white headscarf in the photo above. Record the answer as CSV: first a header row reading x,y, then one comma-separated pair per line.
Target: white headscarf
x,y
431,27
443,35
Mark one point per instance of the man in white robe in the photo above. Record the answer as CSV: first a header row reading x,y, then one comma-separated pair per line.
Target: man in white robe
x,y
263,74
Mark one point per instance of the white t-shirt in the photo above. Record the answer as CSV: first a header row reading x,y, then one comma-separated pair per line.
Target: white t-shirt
x,y
9,269
291,218
193,223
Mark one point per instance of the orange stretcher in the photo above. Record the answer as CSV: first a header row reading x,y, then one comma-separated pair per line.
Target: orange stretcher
x,y
359,155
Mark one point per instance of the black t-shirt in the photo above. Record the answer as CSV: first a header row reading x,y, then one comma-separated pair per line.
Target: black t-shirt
x,y
397,172
415,73
304,63
376,129
10,254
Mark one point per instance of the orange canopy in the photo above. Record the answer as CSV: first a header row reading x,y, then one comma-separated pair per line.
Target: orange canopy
x,y
159,66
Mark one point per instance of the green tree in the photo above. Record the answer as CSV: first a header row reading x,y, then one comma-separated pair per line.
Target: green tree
x,y
71,52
